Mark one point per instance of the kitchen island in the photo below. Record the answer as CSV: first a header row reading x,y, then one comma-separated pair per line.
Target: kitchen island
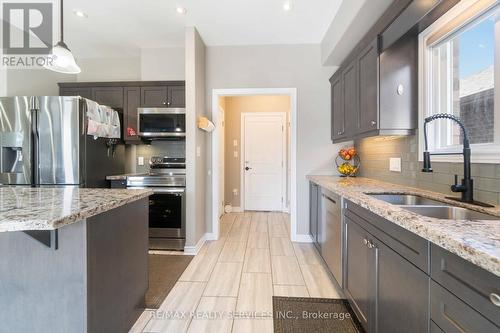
x,y
72,259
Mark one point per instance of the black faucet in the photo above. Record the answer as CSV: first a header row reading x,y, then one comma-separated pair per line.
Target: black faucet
x,y
466,187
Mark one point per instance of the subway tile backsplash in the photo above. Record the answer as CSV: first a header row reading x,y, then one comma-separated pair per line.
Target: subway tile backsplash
x,y
375,153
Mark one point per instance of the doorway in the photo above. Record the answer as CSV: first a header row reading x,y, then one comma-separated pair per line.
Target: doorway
x,y
268,133
263,146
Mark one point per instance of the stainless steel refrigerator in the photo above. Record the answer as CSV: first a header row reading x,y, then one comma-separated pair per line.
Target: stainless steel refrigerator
x,y
43,141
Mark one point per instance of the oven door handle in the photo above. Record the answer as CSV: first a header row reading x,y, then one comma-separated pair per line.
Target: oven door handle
x,y
173,190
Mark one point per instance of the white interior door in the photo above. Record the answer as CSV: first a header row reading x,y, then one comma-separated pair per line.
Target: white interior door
x,y
264,144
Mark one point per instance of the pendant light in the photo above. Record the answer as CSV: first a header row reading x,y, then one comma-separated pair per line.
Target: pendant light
x,y
62,58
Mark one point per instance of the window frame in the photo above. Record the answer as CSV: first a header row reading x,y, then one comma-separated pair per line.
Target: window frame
x,y
481,152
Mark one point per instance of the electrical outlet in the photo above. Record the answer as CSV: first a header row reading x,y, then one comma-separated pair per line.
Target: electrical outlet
x,y
140,160
235,154
395,164
235,192
198,151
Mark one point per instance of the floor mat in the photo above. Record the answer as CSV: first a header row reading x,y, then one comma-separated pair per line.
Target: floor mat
x,y
164,271
298,314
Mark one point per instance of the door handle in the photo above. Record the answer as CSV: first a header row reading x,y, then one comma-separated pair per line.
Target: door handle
x,y
247,168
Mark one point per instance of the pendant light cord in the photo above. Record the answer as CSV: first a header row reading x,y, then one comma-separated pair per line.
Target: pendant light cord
x,y
62,22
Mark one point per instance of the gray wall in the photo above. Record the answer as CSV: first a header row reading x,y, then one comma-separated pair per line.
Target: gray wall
x,y
283,66
375,154
33,82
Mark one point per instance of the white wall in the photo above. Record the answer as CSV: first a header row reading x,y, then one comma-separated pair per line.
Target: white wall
x,y
283,66
163,64
109,69
35,82
3,82
196,154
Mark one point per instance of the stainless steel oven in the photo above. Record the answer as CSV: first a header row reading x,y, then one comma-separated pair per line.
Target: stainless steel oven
x,y
161,122
167,205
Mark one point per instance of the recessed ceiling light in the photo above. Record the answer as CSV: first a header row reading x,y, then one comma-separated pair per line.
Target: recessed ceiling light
x,y
181,10
287,6
79,13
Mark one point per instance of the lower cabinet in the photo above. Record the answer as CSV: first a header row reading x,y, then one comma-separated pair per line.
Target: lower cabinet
x,y
388,293
314,213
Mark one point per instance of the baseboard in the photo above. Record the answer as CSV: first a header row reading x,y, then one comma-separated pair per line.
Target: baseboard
x,y
209,236
237,210
302,238
193,250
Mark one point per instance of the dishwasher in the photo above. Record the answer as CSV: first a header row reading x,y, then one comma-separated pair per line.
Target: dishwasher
x,y
330,237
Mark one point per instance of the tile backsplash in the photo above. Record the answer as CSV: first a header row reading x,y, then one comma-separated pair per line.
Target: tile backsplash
x,y
156,148
376,152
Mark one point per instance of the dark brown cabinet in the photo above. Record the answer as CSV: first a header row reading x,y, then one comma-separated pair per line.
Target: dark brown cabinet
x,y
337,115
110,96
367,113
132,101
129,96
167,96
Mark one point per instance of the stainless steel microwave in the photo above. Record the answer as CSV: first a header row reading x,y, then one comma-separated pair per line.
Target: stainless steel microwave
x,y
161,122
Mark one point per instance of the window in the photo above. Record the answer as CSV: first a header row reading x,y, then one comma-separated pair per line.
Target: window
x,y
460,68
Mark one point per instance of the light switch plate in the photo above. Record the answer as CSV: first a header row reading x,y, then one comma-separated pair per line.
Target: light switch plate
x,y
140,160
198,151
235,143
395,164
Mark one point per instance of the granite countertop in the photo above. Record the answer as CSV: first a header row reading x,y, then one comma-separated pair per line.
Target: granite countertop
x,y
476,241
124,176
43,208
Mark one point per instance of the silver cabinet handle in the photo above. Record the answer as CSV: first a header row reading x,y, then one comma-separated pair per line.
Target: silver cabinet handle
x,y
373,123
495,299
164,103
365,241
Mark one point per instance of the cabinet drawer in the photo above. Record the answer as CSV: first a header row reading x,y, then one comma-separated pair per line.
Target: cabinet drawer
x,y
469,282
413,248
452,315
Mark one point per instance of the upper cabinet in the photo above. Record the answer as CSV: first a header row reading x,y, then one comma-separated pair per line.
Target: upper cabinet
x,y
128,97
172,96
375,90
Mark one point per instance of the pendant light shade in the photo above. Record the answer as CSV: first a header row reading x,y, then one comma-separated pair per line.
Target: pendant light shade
x,y
61,58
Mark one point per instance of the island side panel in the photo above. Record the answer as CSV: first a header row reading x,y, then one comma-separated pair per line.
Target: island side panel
x,y
117,251
42,289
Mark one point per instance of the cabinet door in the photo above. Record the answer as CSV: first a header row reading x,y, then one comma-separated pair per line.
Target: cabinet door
x,y
337,109
176,96
154,96
402,293
350,99
313,212
110,96
84,92
359,276
132,100
368,88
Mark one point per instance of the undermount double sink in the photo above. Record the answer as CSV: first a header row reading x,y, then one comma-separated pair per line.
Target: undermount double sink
x,y
432,208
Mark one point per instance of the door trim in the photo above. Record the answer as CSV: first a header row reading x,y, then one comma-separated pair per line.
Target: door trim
x,y
284,165
292,93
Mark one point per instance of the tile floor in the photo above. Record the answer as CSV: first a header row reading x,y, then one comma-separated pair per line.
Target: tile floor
x,y
229,284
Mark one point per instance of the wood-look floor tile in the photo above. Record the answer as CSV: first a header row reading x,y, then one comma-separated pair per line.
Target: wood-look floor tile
x,y
307,254
286,270
258,226
258,240
233,252
281,246
213,315
200,268
256,293
278,229
182,300
257,261
225,280
253,325
318,282
141,323
290,291
238,233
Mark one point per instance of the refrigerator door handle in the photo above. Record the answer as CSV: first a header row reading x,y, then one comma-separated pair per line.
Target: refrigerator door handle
x,y
35,139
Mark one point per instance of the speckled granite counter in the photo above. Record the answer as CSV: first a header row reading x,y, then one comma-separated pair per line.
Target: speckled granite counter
x,y
475,241
25,208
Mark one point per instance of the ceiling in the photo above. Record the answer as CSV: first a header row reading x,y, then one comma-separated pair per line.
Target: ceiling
x,y
123,27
